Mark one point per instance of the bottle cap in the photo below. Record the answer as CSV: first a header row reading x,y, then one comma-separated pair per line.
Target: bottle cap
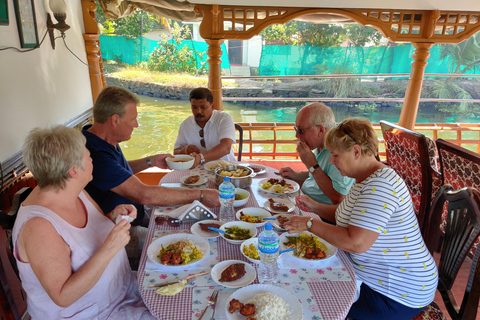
x,y
268,226
226,179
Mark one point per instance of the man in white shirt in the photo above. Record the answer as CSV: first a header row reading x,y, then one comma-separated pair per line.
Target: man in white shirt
x,y
208,134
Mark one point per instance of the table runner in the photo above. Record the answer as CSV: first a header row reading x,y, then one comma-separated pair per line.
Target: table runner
x,y
333,298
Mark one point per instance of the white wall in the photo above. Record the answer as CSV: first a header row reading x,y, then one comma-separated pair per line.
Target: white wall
x,y
44,86
252,50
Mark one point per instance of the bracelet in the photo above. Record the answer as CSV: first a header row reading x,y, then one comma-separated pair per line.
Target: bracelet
x,y
201,196
149,162
202,159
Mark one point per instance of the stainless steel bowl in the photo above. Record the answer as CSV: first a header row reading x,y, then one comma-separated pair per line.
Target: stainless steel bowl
x,y
238,182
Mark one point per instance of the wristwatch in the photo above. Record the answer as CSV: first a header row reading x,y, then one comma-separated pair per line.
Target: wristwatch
x,y
202,159
309,224
149,162
313,168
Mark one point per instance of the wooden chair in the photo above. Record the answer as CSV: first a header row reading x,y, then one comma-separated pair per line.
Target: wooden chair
x,y
408,154
240,140
460,168
13,299
462,229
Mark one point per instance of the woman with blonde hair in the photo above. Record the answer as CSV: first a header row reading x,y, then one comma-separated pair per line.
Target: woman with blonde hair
x,y
70,256
377,228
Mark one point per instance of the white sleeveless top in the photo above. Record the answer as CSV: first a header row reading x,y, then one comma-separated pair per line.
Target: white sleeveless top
x,y
114,296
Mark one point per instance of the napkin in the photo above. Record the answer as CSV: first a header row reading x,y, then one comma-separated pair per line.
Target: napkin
x,y
193,211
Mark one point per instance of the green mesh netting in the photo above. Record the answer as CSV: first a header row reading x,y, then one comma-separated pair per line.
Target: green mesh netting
x,y
136,50
307,60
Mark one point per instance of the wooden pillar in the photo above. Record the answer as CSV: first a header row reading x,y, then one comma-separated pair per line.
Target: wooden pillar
x,y
214,52
414,87
92,47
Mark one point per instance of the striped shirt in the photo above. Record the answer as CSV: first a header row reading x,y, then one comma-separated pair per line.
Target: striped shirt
x,y
398,265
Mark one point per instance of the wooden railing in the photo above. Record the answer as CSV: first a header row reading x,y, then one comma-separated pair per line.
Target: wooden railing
x,y
277,140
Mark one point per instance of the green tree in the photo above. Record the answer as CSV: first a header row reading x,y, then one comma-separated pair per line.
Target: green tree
x,y
168,56
462,57
131,26
361,35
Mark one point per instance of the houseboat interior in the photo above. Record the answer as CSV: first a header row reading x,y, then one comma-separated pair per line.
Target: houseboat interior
x,y
51,74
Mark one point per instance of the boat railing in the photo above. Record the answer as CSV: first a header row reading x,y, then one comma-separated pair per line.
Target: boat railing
x,y
278,141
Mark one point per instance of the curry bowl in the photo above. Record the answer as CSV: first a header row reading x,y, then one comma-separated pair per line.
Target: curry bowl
x,y
180,162
252,231
243,181
241,197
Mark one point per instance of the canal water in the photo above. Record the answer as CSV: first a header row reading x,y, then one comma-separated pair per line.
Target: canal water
x,y
159,120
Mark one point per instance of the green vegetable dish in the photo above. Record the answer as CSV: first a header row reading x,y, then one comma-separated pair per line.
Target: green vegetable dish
x,y
237,233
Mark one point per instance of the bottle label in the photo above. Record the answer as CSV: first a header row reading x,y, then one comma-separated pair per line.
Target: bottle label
x,y
268,247
227,195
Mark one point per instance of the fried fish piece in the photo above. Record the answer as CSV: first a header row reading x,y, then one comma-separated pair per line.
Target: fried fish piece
x,y
204,226
248,309
278,205
235,305
192,179
233,272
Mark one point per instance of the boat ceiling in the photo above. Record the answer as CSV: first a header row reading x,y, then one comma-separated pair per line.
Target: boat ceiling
x,y
184,10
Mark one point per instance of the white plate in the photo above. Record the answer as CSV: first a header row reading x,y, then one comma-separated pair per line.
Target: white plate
x,y
247,293
331,249
263,169
288,203
247,278
200,181
246,243
155,247
197,230
295,186
212,165
276,224
254,212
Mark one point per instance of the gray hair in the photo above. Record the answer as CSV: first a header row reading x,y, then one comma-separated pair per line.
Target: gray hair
x,y
112,100
320,114
50,153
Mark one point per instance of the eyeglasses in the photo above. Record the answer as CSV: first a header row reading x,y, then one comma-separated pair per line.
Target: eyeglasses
x,y
301,132
340,127
202,141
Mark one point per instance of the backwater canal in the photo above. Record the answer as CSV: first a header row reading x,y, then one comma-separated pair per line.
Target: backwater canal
x,y
159,120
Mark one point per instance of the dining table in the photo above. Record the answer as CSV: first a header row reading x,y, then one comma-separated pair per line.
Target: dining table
x,y
325,289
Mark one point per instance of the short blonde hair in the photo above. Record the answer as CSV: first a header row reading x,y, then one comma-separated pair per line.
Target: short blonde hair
x,y
50,153
112,100
350,132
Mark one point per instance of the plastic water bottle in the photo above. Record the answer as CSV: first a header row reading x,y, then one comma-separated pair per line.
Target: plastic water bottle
x,y
227,197
268,247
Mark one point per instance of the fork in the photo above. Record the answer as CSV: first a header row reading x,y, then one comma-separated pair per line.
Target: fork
x,y
211,302
295,203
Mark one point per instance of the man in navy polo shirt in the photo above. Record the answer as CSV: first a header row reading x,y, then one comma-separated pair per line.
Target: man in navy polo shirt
x,y
114,181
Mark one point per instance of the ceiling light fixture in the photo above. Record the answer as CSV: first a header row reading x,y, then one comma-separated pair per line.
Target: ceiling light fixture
x,y
59,9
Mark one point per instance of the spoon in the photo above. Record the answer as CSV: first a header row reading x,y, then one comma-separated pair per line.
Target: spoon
x,y
295,203
277,173
269,218
287,250
231,235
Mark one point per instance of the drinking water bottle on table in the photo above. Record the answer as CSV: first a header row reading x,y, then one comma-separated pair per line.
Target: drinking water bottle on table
x,y
268,249
227,197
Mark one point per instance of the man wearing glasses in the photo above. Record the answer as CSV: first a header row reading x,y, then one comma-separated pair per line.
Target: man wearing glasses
x,y
208,134
322,181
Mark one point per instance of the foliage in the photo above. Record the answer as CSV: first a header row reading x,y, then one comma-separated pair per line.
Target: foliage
x,y
448,89
341,87
131,26
462,57
362,35
170,57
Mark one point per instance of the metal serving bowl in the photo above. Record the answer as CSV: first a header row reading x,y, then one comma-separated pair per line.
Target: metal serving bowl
x,y
238,182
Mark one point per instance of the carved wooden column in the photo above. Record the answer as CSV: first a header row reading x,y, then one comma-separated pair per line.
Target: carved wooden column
x,y
214,53
414,87
92,47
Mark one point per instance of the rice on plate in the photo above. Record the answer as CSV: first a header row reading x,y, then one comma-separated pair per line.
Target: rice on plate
x,y
269,306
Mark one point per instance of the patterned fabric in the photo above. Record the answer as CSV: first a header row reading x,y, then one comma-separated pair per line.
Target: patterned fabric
x,y
431,312
432,154
398,264
460,173
403,156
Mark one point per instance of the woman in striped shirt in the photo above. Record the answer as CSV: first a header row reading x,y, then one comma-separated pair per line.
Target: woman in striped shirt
x,y
376,226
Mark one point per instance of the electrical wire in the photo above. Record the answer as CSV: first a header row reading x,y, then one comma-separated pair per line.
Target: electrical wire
x,y
28,50
63,37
